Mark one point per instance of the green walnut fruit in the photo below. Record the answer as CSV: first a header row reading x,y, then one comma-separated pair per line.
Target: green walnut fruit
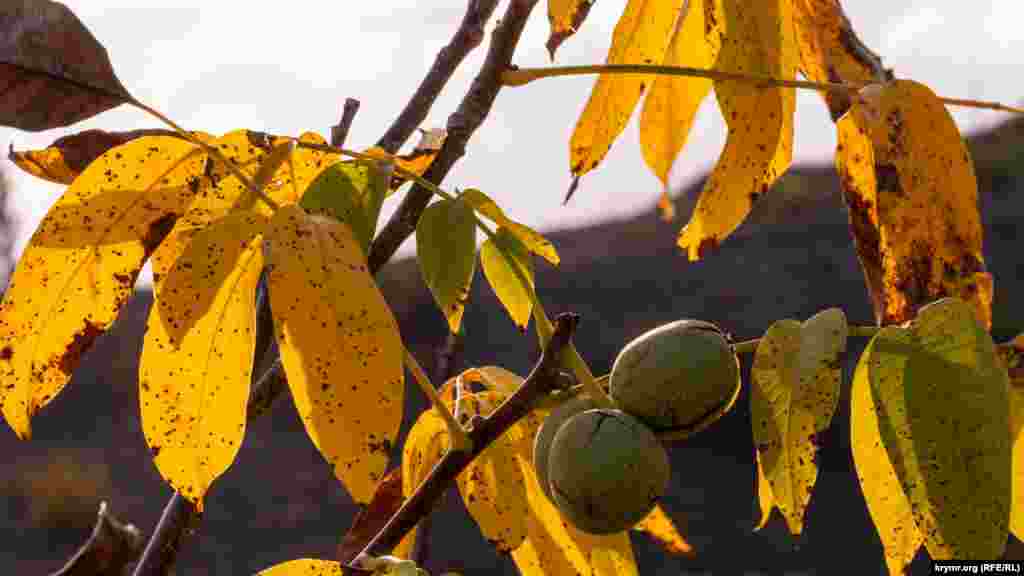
x,y
546,433
677,378
606,470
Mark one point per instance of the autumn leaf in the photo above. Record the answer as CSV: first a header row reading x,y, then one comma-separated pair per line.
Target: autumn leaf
x,y
794,394
62,161
641,37
830,50
913,200
1017,469
933,401
427,442
446,251
417,161
304,567
339,345
80,265
750,38
530,238
659,527
345,191
672,103
565,17
193,386
53,70
495,256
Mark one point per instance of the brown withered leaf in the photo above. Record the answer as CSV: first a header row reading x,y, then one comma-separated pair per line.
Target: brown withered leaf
x,y
62,161
386,501
53,71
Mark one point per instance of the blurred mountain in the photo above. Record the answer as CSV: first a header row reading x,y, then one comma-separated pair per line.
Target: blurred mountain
x,y
791,258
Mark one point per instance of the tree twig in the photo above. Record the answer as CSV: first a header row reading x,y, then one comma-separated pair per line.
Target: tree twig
x,y
112,546
469,35
542,379
348,113
461,125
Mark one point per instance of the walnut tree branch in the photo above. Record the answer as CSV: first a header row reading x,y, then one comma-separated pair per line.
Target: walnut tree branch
x,y
462,124
544,378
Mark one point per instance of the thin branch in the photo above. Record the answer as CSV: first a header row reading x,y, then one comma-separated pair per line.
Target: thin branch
x,y
112,546
461,125
340,132
469,35
542,379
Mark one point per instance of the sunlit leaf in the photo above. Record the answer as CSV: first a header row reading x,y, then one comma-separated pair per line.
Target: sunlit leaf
x,y
565,17
942,418
193,386
495,256
493,487
344,192
913,201
494,378
530,238
417,161
446,251
304,567
830,50
660,527
339,345
672,103
641,37
794,394
1017,472
750,38
53,71
81,264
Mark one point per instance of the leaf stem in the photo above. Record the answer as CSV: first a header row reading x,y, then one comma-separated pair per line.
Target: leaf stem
x,y
520,76
460,440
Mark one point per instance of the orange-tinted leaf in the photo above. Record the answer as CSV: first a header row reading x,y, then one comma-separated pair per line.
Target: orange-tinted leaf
x,y
1017,472
752,38
565,17
913,201
64,160
194,385
417,161
304,567
660,527
52,69
339,344
641,37
672,103
81,264
830,50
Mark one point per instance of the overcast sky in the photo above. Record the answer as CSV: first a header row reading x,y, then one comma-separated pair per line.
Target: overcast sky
x,y
287,67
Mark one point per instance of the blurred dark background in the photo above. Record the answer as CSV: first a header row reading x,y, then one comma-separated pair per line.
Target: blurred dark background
x,y
791,258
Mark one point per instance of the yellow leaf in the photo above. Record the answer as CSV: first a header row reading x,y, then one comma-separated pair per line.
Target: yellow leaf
x,y
339,345
794,394
641,37
829,50
495,256
495,378
913,202
427,442
81,264
1017,472
942,401
887,504
660,527
754,38
530,238
193,387
671,105
565,17
446,251
304,567
493,487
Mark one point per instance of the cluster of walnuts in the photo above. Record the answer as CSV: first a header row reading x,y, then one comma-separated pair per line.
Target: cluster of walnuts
x,y
606,468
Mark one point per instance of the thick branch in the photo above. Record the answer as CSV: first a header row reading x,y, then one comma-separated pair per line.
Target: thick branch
x,y
461,125
469,35
112,546
543,378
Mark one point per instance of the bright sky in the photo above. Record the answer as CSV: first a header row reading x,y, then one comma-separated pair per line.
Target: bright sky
x,y
222,65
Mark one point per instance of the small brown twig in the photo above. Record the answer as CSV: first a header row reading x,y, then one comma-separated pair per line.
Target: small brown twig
x,y
112,546
472,111
543,379
339,132
468,36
